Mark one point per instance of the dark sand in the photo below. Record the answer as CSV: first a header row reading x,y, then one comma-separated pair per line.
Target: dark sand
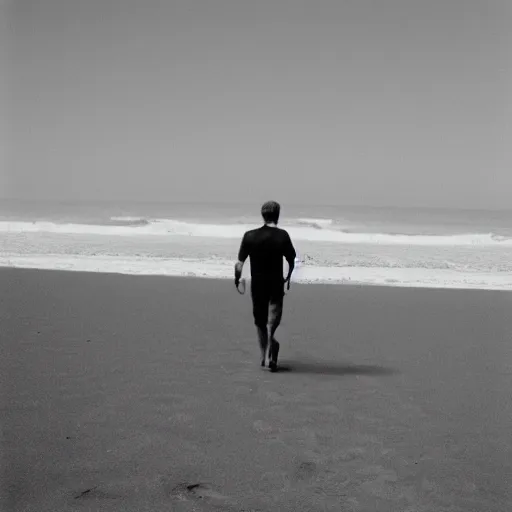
x,y
145,394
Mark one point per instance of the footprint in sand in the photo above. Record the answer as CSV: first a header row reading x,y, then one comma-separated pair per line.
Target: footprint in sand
x,y
203,491
305,471
262,427
348,455
181,417
273,396
95,493
204,496
271,433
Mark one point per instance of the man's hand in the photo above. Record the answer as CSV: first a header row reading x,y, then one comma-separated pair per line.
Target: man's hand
x,y
291,266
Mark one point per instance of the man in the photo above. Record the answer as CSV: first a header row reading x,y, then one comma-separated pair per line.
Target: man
x,y
266,247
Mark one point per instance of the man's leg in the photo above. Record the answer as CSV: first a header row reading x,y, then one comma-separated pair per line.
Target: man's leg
x,y
263,341
260,313
275,315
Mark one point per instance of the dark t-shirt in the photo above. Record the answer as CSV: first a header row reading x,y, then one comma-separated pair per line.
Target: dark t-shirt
x,y
266,247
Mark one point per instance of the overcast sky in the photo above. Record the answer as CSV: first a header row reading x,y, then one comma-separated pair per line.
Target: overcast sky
x,y
384,102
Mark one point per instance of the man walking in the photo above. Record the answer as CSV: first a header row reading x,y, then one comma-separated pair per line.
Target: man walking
x,y
266,247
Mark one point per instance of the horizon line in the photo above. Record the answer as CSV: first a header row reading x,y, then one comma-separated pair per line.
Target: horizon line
x,y
79,201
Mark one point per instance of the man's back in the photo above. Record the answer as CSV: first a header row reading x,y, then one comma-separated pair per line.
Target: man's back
x,y
266,246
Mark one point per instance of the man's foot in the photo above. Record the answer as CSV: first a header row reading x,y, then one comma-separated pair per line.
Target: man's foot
x,y
274,351
272,366
263,362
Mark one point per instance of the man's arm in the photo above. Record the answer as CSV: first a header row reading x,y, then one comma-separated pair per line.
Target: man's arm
x,y
239,265
243,253
290,255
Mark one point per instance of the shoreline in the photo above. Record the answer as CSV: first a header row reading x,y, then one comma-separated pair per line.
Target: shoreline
x,y
334,276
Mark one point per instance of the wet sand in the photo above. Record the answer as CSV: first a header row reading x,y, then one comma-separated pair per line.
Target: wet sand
x,y
145,394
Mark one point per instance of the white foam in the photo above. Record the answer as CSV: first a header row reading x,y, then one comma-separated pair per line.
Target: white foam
x,y
421,278
319,223
170,227
126,265
127,219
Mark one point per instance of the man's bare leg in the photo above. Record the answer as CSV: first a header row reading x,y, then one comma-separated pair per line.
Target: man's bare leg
x,y
263,341
275,314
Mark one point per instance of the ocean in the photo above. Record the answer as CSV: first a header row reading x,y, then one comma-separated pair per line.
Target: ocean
x,y
335,244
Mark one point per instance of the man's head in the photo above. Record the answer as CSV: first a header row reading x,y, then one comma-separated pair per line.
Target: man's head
x,y
270,212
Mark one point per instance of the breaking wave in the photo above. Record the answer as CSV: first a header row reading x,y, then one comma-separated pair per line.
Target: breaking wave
x,y
314,223
314,230
129,221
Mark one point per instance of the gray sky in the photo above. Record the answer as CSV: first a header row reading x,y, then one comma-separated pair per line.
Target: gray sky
x,y
384,102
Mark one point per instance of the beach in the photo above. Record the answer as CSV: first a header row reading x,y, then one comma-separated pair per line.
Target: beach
x,y
145,393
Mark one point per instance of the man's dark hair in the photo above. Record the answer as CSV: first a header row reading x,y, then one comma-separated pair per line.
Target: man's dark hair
x,y
270,211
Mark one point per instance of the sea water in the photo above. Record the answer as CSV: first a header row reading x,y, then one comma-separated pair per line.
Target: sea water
x,y
335,244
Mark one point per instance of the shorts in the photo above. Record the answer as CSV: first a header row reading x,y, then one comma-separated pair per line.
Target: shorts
x,y
264,294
